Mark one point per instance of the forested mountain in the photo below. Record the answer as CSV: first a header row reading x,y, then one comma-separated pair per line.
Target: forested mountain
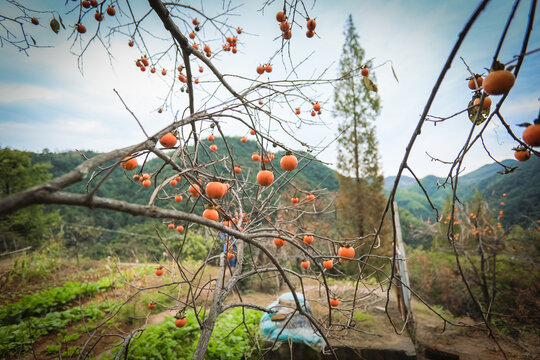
x,y
314,175
522,203
404,182
97,233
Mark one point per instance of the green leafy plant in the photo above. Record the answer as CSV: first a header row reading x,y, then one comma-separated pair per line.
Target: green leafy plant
x,y
230,339
52,349
71,337
21,336
48,300
363,320
71,351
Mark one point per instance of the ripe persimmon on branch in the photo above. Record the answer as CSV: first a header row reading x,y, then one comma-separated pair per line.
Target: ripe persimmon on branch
x,y
186,165
498,87
270,215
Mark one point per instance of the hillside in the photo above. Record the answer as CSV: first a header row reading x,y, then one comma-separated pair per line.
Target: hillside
x,y
314,175
522,204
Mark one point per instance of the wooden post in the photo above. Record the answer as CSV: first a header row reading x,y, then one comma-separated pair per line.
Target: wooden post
x,y
404,295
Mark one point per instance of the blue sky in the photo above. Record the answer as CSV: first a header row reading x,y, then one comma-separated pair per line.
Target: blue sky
x,y
48,103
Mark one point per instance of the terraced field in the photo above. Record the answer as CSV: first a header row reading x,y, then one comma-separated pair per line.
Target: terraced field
x,y
89,310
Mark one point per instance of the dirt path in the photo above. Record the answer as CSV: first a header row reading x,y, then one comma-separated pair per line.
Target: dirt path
x,y
154,319
373,330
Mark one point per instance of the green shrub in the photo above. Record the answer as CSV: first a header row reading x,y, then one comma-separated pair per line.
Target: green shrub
x,y
195,248
39,264
71,351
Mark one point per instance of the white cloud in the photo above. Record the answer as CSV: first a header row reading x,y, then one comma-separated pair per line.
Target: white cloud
x,y
25,93
65,110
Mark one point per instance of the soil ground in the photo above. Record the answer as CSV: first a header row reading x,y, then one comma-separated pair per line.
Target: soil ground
x,y
372,328
377,333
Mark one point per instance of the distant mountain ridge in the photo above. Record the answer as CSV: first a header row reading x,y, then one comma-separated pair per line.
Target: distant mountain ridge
x,y
314,175
404,182
522,203
481,173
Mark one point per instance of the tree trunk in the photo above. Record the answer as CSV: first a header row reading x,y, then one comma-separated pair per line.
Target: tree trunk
x,y
77,253
220,294
215,310
360,208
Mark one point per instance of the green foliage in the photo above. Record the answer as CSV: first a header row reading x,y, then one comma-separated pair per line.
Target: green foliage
x,y
53,349
522,205
118,185
360,200
21,336
417,205
518,283
161,298
43,302
499,264
363,320
434,275
18,172
98,233
230,339
314,174
357,107
28,226
414,231
39,264
196,248
136,241
70,338
71,351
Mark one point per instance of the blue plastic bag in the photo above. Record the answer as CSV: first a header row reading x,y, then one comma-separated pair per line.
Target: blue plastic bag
x,y
298,328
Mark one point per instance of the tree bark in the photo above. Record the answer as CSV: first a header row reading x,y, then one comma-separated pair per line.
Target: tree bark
x,y
208,324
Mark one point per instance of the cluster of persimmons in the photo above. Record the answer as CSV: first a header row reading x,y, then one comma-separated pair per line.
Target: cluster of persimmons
x,y
499,82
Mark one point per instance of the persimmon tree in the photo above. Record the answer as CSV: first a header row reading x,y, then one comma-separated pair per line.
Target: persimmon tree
x,y
197,182
479,239
480,120
488,249
195,172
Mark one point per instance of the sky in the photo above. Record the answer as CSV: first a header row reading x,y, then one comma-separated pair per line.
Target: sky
x,y
48,102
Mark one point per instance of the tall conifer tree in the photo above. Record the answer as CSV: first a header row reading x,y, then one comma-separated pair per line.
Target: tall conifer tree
x,y
356,107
